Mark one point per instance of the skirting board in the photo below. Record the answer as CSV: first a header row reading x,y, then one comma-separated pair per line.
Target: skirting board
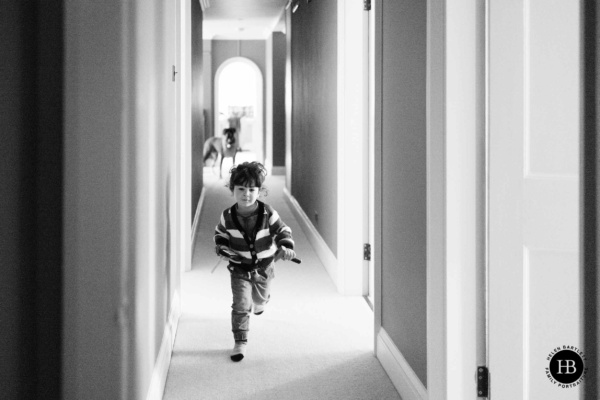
x,y
163,361
325,254
196,222
403,377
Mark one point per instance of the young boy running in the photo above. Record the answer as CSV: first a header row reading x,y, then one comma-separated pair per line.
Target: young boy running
x,y
253,237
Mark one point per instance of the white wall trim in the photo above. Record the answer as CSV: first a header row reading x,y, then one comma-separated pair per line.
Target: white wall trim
x,y
402,375
325,254
195,225
163,360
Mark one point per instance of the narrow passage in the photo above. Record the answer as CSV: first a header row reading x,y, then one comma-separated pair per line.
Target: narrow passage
x,y
310,343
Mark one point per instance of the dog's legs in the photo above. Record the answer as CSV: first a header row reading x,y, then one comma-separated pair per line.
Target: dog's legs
x,y
221,167
215,157
210,151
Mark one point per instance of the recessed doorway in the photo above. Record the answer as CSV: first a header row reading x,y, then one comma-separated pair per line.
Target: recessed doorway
x,y
239,104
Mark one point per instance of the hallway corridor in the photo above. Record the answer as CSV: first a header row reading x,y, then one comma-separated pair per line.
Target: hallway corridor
x,y
311,342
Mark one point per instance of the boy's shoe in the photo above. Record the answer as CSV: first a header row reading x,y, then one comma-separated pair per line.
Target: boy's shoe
x,y
238,351
259,309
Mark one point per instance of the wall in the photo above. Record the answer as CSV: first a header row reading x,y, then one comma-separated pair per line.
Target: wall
x,y
152,96
198,104
279,52
93,198
222,50
31,161
268,123
121,219
403,180
314,110
288,99
207,85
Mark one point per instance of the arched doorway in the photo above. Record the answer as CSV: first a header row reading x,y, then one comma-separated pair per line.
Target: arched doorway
x,y
239,103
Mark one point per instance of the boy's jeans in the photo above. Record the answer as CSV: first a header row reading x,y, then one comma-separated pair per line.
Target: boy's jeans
x,y
247,288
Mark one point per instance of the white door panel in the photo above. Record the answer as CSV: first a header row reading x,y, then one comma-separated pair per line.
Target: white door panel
x,y
534,209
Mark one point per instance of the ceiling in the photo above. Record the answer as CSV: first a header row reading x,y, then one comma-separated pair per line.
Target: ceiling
x,y
242,19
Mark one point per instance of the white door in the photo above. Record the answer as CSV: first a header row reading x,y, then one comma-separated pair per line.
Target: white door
x,y
534,131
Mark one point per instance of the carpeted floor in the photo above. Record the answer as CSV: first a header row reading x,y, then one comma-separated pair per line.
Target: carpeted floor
x,y
310,343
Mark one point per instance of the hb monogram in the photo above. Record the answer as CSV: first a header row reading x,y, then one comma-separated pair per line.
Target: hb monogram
x,y
568,366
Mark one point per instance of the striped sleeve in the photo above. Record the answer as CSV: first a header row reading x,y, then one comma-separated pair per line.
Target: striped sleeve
x,y
223,238
221,233
279,230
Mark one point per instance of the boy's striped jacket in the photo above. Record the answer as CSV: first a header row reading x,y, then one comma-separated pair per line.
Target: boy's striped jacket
x,y
257,250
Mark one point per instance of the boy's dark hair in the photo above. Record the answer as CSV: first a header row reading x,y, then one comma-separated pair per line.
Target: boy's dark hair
x,y
247,174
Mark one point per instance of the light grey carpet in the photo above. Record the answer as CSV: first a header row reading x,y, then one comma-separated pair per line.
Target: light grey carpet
x,y
310,343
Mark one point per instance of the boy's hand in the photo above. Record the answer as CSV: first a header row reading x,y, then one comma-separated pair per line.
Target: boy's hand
x,y
284,254
227,253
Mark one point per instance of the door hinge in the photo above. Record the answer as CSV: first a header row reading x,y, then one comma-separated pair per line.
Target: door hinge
x,y
367,252
483,381
175,72
367,5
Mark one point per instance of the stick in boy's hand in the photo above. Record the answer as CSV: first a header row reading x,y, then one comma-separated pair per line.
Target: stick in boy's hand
x,y
230,256
223,254
280,254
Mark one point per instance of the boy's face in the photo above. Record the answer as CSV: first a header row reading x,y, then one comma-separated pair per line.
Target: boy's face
x,y
246,196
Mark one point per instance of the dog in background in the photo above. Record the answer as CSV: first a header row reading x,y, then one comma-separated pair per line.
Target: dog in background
x,y
224,146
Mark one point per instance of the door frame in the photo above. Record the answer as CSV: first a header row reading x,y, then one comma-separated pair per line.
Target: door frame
x,y
185,131
352,145
455,193
455,196
258,134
